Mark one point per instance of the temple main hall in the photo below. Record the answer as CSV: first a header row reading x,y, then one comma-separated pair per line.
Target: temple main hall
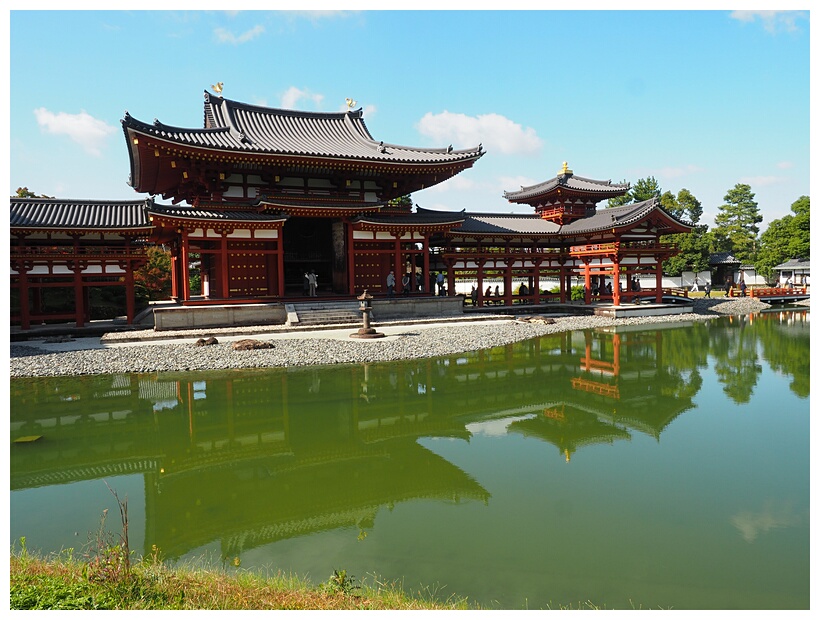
x,y
259,201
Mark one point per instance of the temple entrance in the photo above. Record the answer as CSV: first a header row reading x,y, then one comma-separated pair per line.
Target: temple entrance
x,y
308,245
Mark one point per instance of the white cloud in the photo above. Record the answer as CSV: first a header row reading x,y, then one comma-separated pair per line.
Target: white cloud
x,y
493,131
226,36
514,184
761,181
87,131
785,165
293,95
457,183
772,516
773,21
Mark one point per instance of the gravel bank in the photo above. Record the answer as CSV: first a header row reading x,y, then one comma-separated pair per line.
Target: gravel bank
x,y
30,360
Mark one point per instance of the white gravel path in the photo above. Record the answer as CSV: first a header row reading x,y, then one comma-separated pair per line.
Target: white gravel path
x,y
120,353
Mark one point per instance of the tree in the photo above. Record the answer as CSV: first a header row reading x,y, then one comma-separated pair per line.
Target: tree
x,y
23,192
619,201
155,276
644,189
736,224
693,248
785,238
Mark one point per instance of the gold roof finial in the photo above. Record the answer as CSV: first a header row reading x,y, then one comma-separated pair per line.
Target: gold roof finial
x,y
350,103
565,170
217,88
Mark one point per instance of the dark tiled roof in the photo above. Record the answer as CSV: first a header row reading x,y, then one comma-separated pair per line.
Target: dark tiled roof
x,y
419,218
569,181
235,126
510,224
52,213
794,263
223,215
723,258
603,219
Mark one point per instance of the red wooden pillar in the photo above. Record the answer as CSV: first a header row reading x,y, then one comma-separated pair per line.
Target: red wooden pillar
x,y
183,257
508,285
480,279
587,284
536,282
130,266
616,282
397,266
425,276
658,281
175,276
79,302
562,285
451,279
280,262
25,317
351,259
224,280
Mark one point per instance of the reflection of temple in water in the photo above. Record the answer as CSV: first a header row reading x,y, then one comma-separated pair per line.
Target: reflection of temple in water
x,y
251,457
620,384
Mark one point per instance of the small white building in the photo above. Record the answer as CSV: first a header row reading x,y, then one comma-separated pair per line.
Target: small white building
x,y
796,269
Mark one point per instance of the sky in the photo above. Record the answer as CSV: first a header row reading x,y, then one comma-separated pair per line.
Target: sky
x,y
697,99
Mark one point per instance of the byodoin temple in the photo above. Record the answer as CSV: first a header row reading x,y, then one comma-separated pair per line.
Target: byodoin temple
x,y
259,199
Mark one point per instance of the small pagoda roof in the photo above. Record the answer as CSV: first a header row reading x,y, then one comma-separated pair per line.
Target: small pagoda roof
x,y
245,128
61,214
533,224
565,179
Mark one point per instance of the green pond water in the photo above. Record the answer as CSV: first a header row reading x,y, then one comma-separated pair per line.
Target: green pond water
x,y
661,466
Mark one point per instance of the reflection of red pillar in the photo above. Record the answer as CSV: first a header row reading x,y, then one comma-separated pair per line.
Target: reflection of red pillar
x,y
616,353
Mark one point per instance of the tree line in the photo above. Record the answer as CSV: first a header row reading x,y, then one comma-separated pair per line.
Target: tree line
x,y
736,229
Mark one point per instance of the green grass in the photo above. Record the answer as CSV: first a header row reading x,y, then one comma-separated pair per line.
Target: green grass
x,y
66,582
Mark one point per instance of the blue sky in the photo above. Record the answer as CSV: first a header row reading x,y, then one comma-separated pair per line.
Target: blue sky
x,y
700,100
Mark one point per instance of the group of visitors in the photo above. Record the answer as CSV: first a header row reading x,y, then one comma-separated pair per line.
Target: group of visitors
x,y
407,284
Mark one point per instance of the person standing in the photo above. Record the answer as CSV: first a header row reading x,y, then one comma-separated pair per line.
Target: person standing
x,y
405,284
391,283
306,284
440,283
312,282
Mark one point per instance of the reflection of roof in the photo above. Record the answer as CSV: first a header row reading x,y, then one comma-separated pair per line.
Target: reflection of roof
x,y
55,213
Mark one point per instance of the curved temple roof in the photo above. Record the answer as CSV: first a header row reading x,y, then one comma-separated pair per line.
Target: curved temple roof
x,y
240,127
567,180
53,213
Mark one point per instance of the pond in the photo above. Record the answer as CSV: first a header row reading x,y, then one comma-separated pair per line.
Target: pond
x,y
631,467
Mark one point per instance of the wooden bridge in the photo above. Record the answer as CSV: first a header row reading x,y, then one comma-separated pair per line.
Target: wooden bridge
x,y
774,295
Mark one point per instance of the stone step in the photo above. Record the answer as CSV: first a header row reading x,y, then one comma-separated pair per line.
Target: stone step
x,y
326,313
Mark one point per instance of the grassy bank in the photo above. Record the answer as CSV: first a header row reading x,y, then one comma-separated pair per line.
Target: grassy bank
x,y
65,582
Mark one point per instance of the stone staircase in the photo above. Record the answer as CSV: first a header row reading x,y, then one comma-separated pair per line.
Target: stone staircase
x,y
324,313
